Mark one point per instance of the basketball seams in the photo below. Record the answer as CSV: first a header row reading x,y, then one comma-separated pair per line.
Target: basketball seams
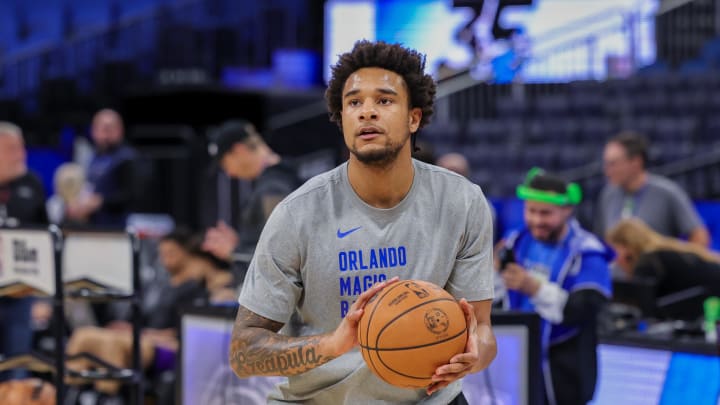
x,y
400,315
367,328
411,376
395,349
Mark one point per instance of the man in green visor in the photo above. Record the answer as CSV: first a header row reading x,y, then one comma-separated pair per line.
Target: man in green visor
x,y
557,269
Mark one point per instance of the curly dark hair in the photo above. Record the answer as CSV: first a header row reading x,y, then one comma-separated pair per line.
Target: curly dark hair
x,y
407,63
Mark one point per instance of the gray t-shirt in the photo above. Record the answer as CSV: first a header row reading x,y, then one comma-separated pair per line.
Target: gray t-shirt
x,y
323,246
661,203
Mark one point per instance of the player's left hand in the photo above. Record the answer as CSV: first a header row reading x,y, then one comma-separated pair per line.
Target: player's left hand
x,y
461,364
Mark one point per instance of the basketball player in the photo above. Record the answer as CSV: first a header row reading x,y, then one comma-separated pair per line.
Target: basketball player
x,y
336,241
560,271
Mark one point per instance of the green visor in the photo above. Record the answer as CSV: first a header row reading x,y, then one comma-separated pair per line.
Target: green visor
x,y
572,196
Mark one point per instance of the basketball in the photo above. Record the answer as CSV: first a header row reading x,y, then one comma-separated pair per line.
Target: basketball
x,y
408,330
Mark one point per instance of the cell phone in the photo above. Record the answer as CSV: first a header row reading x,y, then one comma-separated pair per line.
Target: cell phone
x,y
507,256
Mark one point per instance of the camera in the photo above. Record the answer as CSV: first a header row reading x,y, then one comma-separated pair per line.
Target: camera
x,y
507,256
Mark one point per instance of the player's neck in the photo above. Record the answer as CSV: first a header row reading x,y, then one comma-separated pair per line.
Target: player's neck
x,y
382,187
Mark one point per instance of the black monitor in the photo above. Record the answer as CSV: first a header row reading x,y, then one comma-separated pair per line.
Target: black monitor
x,y
686,304
642,293
639,293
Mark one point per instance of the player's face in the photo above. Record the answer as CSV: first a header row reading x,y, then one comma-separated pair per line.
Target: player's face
x,y
619,168
546,222
376,118
12,156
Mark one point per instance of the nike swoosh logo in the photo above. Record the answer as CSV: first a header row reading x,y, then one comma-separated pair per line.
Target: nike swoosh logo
x,y
341,235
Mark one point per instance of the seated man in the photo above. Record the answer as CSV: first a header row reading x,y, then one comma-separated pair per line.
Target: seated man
x,y
554,267
113,344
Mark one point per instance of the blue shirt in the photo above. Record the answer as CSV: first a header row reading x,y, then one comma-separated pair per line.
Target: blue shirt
x,y
579,261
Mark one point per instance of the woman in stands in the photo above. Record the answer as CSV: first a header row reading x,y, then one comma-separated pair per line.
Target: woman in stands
x,y
673,264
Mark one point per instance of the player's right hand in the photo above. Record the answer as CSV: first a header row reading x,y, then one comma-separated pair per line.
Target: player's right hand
x,y
345,337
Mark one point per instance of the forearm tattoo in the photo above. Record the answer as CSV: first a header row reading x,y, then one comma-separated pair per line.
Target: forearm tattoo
x,y
256,348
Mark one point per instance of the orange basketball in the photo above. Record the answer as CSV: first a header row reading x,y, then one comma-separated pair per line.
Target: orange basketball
x,y
408,330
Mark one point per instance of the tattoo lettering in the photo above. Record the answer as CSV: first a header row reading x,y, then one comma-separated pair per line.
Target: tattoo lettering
x,y
257,349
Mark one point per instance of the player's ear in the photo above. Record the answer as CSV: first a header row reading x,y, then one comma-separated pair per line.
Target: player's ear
x,y
414,119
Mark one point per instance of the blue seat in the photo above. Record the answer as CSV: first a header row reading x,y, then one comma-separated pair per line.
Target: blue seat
x,y
540,155
644,124
491,130
710,53
670,151
711,131
675,128
650,102
585,104
690,101
511,107
596,129
562,129
573,155
440,131
557,104
535,131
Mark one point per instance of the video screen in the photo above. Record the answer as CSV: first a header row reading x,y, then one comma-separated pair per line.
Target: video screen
x,y
633,375
505,382
500,40
206,376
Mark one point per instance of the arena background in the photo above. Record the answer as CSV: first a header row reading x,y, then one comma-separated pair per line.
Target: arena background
x,y
522,83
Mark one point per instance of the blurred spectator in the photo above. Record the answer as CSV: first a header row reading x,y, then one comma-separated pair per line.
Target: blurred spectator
x,y
554,267
22,196
219,281
22,202
243,154
634,192
113,343
110,173
455,162
674,265
71,190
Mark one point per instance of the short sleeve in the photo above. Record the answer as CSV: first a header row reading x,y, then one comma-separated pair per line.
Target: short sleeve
x,y
600,220
273,285
686,218
472,276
